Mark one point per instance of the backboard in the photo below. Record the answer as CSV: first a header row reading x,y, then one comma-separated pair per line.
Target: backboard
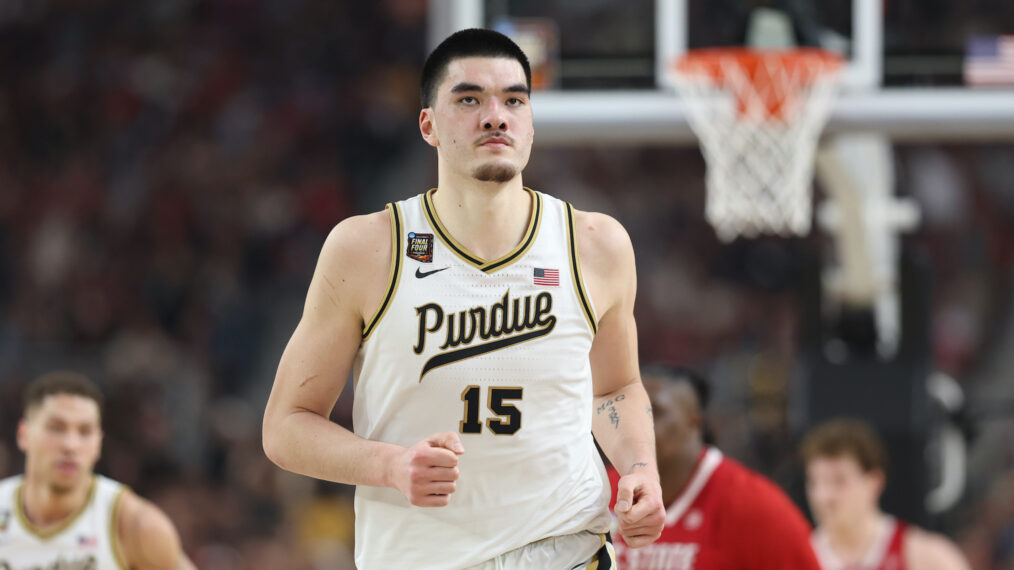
x,y
907,77
916,71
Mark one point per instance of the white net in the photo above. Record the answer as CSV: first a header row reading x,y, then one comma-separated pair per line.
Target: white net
x,y
758,115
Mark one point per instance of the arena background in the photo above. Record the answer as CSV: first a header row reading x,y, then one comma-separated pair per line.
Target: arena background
x,y
169,170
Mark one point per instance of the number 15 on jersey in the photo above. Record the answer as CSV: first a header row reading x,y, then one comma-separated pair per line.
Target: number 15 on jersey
x,y
507,420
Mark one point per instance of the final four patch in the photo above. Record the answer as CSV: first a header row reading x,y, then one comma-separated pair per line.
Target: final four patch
x,y
420,247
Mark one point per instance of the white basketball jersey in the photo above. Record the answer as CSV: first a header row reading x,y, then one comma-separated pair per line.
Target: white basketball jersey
x,y
886,552
497,351
85,541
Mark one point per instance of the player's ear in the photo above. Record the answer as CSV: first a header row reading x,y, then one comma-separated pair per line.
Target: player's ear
x,y
879,480
428,127
696,418
22,435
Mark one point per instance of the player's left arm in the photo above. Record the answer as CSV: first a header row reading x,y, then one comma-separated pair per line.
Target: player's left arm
x,y
148,539
931,551
622,420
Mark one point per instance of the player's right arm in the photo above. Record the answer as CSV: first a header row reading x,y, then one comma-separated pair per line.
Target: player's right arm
x,y
346,289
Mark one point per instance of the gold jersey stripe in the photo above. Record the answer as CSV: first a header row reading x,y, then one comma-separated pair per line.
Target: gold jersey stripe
x,y
479,263
438,227
114,535
530,234
575,270
19,506
395,274
605,557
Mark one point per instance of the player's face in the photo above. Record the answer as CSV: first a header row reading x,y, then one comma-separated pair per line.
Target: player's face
x,y
839,491
481,121
673,407
61,439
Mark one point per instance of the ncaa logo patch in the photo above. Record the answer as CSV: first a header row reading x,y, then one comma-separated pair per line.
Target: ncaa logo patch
x,y
420,247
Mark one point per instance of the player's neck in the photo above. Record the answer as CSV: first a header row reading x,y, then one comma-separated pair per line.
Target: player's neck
x,y
851,541
676,471
45,506
487,219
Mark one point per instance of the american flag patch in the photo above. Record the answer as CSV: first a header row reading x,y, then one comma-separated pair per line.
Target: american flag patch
x,y
87,541
546,277
989,60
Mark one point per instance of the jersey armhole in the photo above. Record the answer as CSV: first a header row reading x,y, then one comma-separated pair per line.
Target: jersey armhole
x,y
114,530
395,274
575,271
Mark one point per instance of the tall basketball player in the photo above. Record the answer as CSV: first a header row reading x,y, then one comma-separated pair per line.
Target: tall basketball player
x,y
60,514
721,515
845,475
489,329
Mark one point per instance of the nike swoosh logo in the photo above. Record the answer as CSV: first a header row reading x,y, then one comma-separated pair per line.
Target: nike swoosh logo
x,y
419,273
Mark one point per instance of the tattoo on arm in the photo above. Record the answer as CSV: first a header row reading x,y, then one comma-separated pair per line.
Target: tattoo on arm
x,y
610,404
648,410
638,464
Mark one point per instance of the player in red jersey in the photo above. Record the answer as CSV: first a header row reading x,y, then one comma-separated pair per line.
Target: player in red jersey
x,y
845,465
720,514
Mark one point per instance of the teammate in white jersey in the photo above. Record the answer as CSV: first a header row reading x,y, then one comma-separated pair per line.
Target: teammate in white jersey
x,y
60,514
490,332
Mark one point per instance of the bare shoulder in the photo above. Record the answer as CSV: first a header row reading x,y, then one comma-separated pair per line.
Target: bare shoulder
x,y
600,237
149,539
359,239
353,267
607,260
932,551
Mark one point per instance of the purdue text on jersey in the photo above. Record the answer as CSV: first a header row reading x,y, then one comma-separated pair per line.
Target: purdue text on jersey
x,y
516,317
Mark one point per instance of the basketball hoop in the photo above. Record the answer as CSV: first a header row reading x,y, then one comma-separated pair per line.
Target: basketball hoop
x,y
758,115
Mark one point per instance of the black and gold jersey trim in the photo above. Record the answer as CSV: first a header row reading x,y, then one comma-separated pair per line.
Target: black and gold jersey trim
x,y
114,535
575,271
479,263
395,275
605,558
19,507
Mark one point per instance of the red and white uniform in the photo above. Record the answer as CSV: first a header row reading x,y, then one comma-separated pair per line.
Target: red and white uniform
x,y
726,518
886,553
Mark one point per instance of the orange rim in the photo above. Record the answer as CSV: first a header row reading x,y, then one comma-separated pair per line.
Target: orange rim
x,y
776,76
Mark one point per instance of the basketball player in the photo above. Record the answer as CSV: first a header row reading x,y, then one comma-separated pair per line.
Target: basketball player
x,y
490,331
845,463
720,514
60,514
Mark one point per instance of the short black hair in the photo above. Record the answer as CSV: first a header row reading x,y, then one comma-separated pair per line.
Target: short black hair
x,y
473,42
61,382
671,373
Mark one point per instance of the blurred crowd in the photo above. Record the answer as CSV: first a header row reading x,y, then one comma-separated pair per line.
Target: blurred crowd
x,y
168,173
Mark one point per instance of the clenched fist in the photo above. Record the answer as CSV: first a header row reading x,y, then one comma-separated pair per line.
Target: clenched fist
x,y
426,472
639,509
